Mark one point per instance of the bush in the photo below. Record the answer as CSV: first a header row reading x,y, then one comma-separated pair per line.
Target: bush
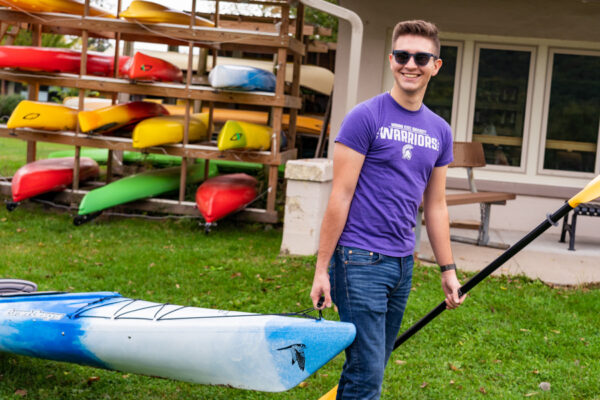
x,y
8,104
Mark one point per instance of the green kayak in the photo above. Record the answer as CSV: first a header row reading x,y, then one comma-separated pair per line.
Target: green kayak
x,y
165,160
101,155
136,187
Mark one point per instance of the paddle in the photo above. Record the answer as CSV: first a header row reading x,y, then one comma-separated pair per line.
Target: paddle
x,y
588,193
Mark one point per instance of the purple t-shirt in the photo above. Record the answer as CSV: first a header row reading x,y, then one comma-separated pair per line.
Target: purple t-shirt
x,y
401,148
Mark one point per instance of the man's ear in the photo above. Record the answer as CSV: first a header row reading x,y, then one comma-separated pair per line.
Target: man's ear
x,y
437,64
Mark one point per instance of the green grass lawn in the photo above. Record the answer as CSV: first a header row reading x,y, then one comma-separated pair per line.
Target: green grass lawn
x,y
509,336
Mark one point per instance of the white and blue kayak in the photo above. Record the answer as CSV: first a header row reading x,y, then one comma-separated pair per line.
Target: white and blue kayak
x,y
241,77
269,353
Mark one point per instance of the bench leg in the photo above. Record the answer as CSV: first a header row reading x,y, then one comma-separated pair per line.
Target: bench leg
x,y
484,233
565,228
572,232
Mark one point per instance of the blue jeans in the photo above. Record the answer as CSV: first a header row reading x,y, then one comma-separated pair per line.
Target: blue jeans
x,y
371,291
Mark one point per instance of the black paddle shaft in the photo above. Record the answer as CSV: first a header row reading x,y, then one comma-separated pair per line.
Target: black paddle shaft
x,y
484,273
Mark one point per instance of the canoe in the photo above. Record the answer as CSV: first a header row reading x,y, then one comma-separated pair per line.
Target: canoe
x,y
136,187
40,115
47,59
220,196
112,118
129,157
49,175
56,6
148,12
169,129
241,77
269,353
244,135
142,67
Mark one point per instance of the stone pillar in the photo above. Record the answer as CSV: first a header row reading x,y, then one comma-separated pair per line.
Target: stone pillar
x,y
307,193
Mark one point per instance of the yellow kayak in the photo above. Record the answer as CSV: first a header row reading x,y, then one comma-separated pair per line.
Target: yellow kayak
x,y
152,13
40,115
304,123
56,6
157,131
111,118
244,135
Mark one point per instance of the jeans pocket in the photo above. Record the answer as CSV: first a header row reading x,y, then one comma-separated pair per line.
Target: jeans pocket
x,y
356,256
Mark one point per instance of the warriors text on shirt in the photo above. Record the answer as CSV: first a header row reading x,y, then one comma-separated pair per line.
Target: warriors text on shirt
x,y
408,134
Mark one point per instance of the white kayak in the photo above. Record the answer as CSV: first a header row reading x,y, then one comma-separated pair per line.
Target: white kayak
x,y
104,329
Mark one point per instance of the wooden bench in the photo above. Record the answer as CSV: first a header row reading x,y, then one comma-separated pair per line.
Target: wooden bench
x,y
470,155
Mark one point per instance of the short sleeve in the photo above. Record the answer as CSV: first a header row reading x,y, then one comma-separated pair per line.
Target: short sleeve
x,y
446,153
358,129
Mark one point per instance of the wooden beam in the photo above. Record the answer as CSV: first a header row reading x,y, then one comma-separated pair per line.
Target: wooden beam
x,y
104,84
179,32
120,143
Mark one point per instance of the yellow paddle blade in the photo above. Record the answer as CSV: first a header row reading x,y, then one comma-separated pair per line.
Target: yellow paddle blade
x,y
330,395
590,192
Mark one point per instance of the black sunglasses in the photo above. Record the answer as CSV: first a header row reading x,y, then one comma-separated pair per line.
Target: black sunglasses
x,y
421,58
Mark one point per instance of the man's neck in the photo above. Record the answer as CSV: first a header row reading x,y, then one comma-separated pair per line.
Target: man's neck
x,y
410,101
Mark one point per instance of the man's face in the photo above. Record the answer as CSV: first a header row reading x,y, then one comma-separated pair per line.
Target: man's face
x,y
411,77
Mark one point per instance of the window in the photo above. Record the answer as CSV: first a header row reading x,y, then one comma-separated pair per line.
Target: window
x,y
440,91
573,113
501,103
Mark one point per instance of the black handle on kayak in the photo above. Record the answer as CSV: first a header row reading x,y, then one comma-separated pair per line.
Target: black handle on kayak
x,y
484,273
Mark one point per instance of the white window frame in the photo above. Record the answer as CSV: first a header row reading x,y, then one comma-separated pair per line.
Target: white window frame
x,y
526,122
542,146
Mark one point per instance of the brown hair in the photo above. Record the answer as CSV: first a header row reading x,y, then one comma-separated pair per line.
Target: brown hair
x,y
419,28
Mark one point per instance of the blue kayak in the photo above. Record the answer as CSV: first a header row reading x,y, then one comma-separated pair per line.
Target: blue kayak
x,y
104,329
241,77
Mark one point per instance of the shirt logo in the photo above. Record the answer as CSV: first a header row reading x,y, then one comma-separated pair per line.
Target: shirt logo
x,y
407,152
410,135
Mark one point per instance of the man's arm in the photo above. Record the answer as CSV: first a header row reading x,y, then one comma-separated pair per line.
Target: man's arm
x,y
347,164
438,230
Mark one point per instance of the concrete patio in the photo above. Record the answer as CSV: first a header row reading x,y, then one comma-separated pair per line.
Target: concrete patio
x,y
545,258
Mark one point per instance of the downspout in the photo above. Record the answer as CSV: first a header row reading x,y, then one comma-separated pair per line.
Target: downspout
x,y
355,45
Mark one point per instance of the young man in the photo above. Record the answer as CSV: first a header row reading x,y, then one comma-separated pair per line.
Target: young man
x,y
391,153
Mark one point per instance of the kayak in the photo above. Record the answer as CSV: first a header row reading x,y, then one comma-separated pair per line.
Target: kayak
x,y
269,353
152,13
241,77
142,67
220,196
129,157
49,175
136,187
40,115
47,59
304,124
57,6
89,103
112,118
244,135
169,129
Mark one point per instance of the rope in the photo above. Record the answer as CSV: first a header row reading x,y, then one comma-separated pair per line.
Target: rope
x,y
97,304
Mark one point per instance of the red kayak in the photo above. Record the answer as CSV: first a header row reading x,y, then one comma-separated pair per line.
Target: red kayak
x,y
222,195
47,59
142,67
49,175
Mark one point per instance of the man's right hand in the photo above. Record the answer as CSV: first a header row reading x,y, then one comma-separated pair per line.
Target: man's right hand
x,y
321,287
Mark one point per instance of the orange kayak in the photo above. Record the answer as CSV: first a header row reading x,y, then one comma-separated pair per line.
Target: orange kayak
x,y
111,118
142,67
222,195
49,175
